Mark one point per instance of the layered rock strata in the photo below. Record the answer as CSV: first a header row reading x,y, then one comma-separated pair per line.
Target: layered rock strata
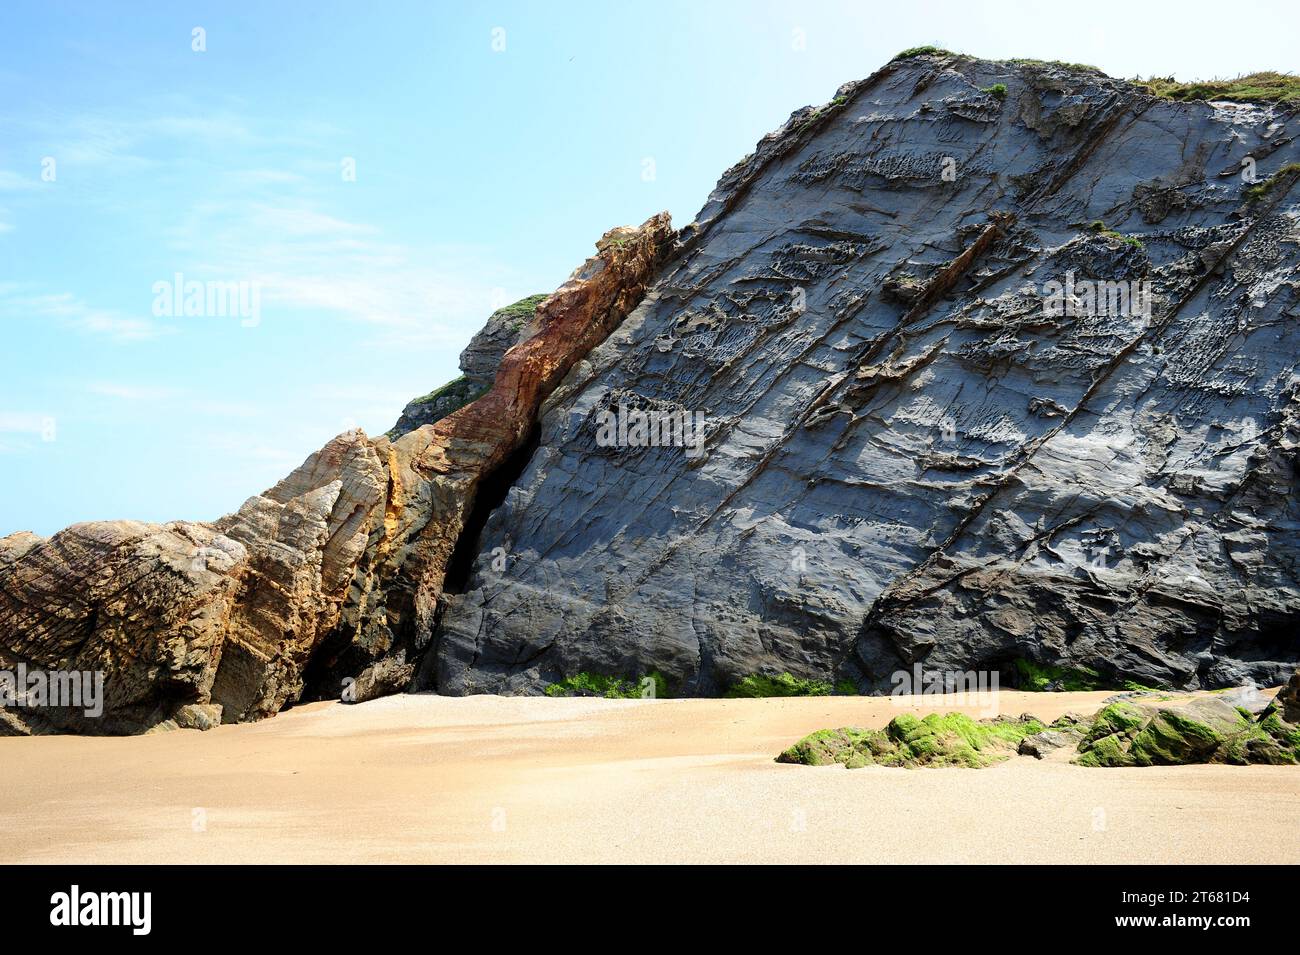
x,y
909,457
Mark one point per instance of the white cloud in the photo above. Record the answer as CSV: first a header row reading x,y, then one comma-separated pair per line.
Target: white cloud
x,y
22,422
265,223
28,427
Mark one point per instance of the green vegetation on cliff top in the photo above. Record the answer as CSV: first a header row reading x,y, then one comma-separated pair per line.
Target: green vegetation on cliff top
x,y
524,309
1267,86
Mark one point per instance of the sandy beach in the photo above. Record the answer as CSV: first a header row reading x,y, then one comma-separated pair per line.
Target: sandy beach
x,y
492,779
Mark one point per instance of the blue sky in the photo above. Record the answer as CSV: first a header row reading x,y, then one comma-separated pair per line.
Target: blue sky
x,y
482,174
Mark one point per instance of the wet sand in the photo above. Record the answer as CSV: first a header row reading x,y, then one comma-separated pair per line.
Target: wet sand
x,y
493,779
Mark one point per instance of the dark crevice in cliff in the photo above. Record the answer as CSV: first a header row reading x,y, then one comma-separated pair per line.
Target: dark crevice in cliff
x,y
491,494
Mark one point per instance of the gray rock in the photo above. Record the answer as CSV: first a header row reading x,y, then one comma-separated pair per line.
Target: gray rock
x,y
387,676
1288,699
1039,745
948,476
505,328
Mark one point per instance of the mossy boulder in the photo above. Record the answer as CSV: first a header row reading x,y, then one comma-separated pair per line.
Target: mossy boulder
x,y
951,739
1204,730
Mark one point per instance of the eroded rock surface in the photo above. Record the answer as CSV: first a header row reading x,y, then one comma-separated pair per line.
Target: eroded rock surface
x,y
907,458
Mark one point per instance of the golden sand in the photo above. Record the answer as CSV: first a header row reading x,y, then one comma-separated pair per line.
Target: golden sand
x,y
493,779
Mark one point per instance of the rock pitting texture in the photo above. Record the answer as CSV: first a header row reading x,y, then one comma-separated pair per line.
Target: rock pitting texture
x,y
335,572
906,459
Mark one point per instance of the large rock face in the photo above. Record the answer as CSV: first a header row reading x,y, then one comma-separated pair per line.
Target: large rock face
x,y
331,576
908,456
985,365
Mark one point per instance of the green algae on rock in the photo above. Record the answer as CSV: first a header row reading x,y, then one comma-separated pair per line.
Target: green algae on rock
x,y
611,687
1204,730
950,739
757,685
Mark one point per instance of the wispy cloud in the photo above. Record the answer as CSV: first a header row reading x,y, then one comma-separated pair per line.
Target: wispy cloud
x,y
20,430
11,181
269,219
305,258
73,312
130,392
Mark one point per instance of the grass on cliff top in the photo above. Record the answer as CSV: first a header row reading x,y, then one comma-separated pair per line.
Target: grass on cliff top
x,y
1076,67
451,387
524,308
915,51
1265,87
522,311
912,51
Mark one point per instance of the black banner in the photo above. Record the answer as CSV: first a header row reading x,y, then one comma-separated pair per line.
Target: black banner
x,y
212,904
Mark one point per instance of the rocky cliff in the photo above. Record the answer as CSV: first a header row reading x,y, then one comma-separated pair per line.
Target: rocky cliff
x,y
912,454
981,365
